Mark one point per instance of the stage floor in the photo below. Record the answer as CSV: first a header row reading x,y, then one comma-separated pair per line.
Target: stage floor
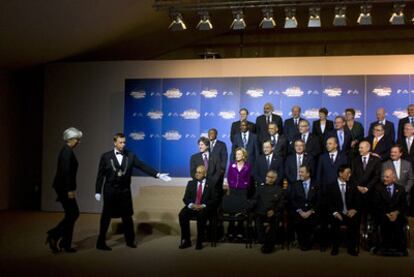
x,y
22,251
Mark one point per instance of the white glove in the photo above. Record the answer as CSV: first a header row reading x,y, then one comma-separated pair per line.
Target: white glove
x,y
98,197
165,177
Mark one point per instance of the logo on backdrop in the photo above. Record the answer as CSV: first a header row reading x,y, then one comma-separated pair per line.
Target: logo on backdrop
x,y
173,93
137,135
400,113
172,135
293,92
155,114
382,91
333,92
209,93
227,114
190,114
311,113
255,92
140,94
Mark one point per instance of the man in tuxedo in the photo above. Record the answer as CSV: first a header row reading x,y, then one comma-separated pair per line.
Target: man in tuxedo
x,y
248,141
211,163
391,203
312,142
407,143
235,126
305,207
344,209
388,125
279,141
291,125
343,137
114,181
297,159
407,119
380,144
402,169
218,149
268,161
262,122
200,202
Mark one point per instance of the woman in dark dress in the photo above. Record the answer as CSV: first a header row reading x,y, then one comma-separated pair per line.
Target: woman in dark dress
x,y
60,237
322,126
356,129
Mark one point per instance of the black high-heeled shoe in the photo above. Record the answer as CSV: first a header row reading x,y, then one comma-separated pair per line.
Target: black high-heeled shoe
x,y
52,242
66,249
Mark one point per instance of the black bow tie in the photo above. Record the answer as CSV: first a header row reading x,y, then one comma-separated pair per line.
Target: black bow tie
x,y
119,153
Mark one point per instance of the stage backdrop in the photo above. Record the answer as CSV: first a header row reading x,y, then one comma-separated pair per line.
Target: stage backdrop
x,y
164,118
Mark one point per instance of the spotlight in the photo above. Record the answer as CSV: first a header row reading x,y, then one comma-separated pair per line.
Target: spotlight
x,y
177,24
365,15
397,17
340,16
314,17
290,19
267,22
238,21
205,23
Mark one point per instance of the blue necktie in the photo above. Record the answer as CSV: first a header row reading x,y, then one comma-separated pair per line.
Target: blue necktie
x,y
341,139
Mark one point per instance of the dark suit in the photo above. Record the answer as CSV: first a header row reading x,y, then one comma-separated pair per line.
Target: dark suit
x,y
382,148
281,146
316,128
220,151
401,124
261,126
114,180
346,143
209,199
261,169
392,233
408,154
291,129
235,128
388,127
291,167
336,205
213,170
305,228
252,147
312,145
65,181
326,171
406,178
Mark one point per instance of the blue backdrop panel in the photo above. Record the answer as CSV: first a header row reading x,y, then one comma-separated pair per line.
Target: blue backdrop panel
x,y
143,116
390,92
303,91
180,125
341,92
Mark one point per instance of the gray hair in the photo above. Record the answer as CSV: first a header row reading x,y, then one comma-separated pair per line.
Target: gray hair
x,y
72,133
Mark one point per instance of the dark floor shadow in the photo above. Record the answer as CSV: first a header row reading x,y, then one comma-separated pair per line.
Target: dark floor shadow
x,y
86,243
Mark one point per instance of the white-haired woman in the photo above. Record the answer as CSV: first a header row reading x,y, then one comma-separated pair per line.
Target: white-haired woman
x,y
60,237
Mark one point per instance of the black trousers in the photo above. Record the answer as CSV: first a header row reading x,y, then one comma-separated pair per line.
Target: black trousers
x,y
305,229
128,227
186,214
392,233
352,231
65,227
266,230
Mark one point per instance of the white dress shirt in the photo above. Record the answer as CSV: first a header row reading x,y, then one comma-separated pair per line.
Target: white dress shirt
x,y
119,157
203,185
397,166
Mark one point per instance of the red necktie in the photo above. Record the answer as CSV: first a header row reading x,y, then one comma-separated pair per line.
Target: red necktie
x,y
199,194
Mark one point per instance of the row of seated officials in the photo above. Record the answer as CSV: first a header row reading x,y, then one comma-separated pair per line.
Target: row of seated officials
x,y
248,172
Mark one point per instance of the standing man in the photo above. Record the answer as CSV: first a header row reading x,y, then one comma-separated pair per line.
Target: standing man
x,y
312,143
296,160
292,124
247,140
218,149
114,181
235,126
381,144
262,122
65,187
279,141
407,119
343,137
388,125
407,142
268,161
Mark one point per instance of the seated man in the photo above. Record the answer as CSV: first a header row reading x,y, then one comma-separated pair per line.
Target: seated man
x,y
391,204
200,201
305,204
268,203
344,207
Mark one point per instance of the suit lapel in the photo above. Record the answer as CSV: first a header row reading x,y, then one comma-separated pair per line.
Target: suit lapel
x,y
113,157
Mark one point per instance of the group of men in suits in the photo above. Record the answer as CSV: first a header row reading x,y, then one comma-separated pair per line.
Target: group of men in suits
x,y
332,181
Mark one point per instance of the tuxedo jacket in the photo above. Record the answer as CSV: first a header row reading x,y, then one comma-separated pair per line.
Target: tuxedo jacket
x,y
252,147
385,204
388,127
261,125
220,151
290,129
369,177
406,174
382,148
408,154
213,170
347,139
109,167
235,128
326,171
67,167
209,197
291,166
298,198
312,145
334,198
401,124
316,128
281,146
261,169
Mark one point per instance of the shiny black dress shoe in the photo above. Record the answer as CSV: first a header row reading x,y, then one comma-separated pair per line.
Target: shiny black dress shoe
x,y
52,242
185,244
132,244
103,246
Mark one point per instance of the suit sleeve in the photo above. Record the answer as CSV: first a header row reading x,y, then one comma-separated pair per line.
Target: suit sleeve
x,y
410,180
192,167
69,177
144,167
392,132
376,175
187,199
101,175
224,157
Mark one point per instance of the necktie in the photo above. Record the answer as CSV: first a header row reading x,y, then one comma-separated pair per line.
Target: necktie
x,y
298,167
205,160
332,158
244,140
268,161
119,153
343,191
275,139
304,138
364,162
306,188
296,122
268,119
389,191
199,194
409,144
212,145
412,120
374,144
341,139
